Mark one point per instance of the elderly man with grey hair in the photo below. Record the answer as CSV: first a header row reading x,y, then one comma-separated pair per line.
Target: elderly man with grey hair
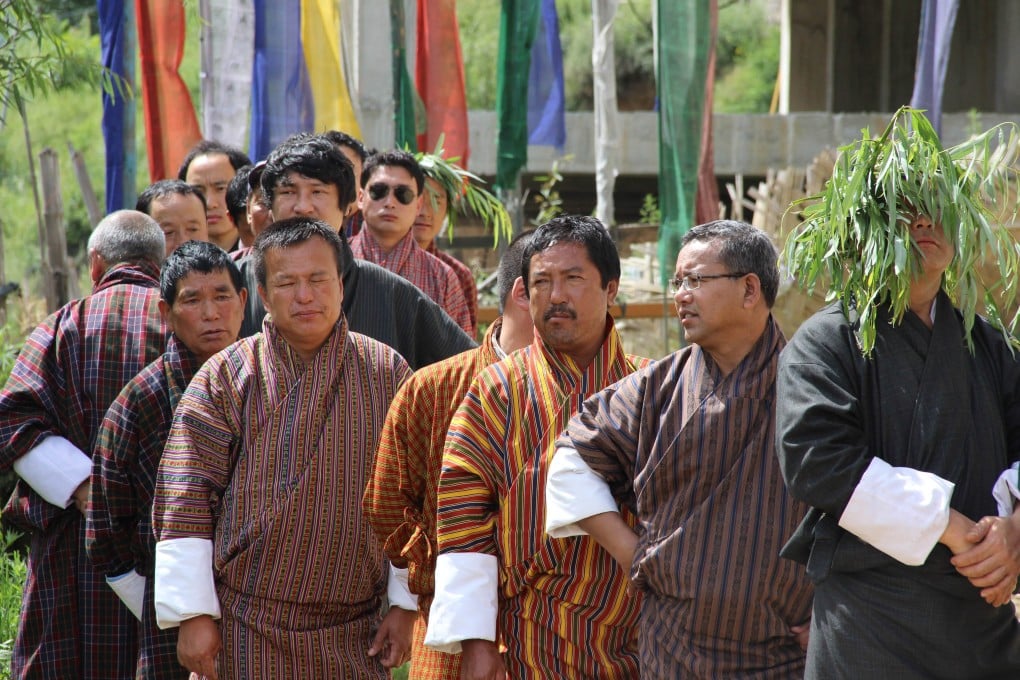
x,y
69,371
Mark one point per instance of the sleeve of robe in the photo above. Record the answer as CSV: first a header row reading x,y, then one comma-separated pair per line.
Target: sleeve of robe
x,y
826,461
196,465
595,461
467,572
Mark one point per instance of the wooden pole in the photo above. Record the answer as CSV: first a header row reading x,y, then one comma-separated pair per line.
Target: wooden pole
x,y
44,273
85,184
53,214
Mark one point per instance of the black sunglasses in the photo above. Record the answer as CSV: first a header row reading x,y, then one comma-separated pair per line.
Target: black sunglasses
x,y
401,192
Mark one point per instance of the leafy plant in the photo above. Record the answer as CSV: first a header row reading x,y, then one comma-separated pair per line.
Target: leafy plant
x,y
12,579
856,236
650,212
548,199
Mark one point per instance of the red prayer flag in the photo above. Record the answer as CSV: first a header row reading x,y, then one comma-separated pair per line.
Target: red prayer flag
x,y
706,202
171,128
439,77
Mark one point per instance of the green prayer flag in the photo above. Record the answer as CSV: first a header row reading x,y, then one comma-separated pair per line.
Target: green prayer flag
x,y
517,28
407,118
684,34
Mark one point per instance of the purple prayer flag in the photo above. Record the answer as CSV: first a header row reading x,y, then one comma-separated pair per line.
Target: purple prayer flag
x,y
282,101
934,39
546,119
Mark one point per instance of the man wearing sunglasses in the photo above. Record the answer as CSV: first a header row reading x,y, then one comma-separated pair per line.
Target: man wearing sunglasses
x,y
688,445
306,176
391,196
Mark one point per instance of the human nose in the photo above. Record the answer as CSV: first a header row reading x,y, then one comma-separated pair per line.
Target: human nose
x,y
557,291
304,291
210,310
303,204
922,222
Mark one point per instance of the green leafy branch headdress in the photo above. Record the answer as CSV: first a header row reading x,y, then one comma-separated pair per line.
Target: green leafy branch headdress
x,y
856,232
463,194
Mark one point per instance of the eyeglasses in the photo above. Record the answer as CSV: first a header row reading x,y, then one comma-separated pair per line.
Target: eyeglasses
x,y
693,281
401,192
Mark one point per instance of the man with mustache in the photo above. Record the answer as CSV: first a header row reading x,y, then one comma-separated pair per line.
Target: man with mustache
x,y
561,606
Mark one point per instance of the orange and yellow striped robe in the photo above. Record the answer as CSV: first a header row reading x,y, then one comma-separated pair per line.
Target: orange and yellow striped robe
x,y
564,606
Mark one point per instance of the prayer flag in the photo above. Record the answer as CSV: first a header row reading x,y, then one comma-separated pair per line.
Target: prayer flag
x,y
517,28
228,50
117,39
281,94
439,76
547,124
321,39
171,128
934,40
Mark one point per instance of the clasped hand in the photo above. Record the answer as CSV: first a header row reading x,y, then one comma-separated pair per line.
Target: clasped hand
x,y
991,562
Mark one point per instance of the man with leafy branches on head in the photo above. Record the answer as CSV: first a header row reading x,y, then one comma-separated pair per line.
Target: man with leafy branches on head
x,y
898,417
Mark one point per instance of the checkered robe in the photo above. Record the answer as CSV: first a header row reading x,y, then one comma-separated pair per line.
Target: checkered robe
x,y
119,527
268,458
70,370
430,274
565,609
400,501
464,275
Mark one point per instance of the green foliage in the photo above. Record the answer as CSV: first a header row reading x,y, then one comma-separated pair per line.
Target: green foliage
x,y
650,212
548,199
13,572
856,233
747,58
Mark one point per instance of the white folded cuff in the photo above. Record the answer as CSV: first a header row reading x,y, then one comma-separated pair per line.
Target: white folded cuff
x,y
1006,490
54,468
573,491
130,588
398,592
184,586
901,511
465,604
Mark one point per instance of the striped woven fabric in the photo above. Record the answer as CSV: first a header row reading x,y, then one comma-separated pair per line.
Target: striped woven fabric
x,y
565,610
430,274
692,452
70,370
466,278
269,457
400,501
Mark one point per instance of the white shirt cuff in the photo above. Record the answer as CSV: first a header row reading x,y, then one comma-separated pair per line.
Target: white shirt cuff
x,y
54,468
573,491
398,592
184,586
465,604
1006,490
901,511
130,588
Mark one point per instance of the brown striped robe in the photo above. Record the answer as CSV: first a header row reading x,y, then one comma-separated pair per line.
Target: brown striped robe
x,y
692,453
269,457
565,610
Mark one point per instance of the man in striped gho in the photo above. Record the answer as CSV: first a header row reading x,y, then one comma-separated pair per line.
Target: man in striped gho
x,y
688,445
257,512
560,606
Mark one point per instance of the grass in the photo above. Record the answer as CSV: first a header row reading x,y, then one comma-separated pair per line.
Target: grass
x,y
12,578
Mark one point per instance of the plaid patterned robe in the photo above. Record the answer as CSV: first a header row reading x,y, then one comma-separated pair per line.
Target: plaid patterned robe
x,y
128,449
70,370
692,453
430,274
400,501
564,606
269,457
466,278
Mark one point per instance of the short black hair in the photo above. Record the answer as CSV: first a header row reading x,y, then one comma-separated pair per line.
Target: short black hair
x,y
238,158
195,256
312,156
580,229
237,194
164,188
510,264
743,249
292,232
338,138
397,158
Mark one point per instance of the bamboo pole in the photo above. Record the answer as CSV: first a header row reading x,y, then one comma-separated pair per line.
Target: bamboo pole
x,y
53,216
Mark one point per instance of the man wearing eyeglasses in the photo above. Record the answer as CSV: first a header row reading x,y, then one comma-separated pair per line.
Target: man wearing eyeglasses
x,y
391,195
688,445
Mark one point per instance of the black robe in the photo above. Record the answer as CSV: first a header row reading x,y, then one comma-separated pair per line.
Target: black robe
x,y
921,401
